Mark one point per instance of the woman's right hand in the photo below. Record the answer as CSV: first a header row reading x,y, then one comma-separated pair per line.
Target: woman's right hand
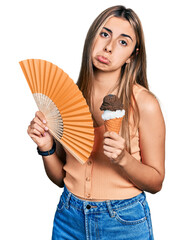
x,y
38,131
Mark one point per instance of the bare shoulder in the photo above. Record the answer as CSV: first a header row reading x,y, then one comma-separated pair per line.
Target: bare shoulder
x,y
147,101
149,107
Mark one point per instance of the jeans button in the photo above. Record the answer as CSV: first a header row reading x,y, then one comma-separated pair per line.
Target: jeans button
x,y
88,206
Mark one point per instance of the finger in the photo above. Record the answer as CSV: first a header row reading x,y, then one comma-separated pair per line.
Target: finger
x,y
41,116
37,121
38,128
37,133
111,155
33,131
114,143
34,128
112,150
112,135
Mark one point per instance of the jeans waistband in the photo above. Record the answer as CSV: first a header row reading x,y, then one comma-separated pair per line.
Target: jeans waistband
x,y
111,205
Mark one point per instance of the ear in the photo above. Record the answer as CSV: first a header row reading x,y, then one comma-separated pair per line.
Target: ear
x,y
137,51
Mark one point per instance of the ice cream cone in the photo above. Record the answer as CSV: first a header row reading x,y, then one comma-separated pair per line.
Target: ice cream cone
x,y
113,125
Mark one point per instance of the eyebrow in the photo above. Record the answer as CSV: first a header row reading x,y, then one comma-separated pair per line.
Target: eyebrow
x,y
123,34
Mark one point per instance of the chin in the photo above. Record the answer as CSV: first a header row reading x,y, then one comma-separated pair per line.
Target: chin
x,y
104,68
101,66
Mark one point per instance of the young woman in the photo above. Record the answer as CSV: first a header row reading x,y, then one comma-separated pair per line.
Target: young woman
x,y
104,198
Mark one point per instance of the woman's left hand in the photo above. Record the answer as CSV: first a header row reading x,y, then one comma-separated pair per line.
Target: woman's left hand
x,y
114,146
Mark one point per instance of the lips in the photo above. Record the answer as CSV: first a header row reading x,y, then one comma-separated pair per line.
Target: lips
x,y
103,59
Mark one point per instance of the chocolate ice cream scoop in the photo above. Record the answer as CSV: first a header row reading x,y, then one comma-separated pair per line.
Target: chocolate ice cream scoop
x,y
112,103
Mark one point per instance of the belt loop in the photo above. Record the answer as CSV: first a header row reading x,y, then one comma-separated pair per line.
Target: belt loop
x,y
111,211
143,198
68,200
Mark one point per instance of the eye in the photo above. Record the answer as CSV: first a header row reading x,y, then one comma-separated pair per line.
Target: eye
x,y
104,34
123,42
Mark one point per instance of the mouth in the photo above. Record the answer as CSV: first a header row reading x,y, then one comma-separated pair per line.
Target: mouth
x,y
103,59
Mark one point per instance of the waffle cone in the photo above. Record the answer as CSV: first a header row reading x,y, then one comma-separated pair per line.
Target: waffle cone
x,y
113,125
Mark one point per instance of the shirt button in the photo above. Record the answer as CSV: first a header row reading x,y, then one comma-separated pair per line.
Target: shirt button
x,y
88,195
87,179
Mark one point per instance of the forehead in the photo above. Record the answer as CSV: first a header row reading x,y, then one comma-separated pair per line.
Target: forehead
x,y
120,25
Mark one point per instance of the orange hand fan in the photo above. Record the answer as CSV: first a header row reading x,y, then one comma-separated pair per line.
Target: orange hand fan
x,y
62,103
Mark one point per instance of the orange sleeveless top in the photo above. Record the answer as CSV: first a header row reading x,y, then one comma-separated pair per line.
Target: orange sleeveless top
x,y
99,178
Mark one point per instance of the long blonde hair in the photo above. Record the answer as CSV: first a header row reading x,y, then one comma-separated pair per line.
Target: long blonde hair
x,y
131,73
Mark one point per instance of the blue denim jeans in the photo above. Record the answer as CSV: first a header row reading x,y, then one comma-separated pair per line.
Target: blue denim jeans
x,y
108,220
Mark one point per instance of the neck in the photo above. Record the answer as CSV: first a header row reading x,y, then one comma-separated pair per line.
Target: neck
x,y
105,81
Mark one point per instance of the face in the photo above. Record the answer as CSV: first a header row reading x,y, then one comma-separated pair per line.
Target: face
x,y
114,45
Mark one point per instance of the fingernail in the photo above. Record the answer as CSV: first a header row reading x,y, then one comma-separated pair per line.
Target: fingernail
x,y
46,128
44,121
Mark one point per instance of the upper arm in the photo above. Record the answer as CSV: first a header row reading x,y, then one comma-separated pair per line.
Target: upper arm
x,y
151,132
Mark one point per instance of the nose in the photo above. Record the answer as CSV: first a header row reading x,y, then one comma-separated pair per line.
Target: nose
x,y
108,47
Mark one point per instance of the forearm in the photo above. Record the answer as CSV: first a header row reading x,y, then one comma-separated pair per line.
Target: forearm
x,y
54,169
53,163
141,175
